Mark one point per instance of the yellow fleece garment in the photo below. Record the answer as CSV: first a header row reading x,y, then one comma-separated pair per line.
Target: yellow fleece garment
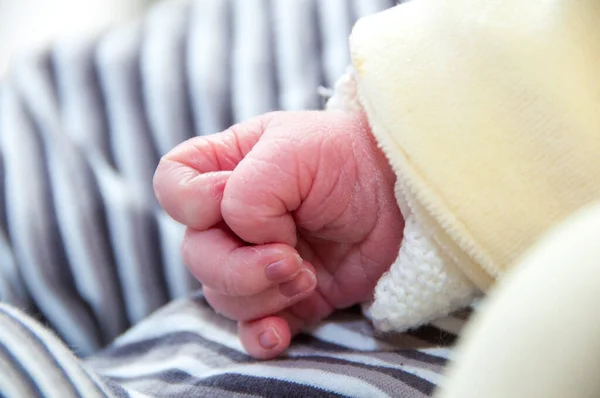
x,y
536,335
489,112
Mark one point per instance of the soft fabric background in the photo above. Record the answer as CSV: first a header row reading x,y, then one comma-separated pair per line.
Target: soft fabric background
x,y
28,23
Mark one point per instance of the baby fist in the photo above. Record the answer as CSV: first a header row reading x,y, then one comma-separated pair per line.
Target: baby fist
x,y
289,216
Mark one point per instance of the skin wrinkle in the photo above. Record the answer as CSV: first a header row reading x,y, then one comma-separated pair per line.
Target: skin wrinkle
x,y
315,316
306,224
264,167
234,273
218,189
376,178
310,188
222,162
235,136
296,322
326,232
237,259
355,253
305,191
346,178
364,262
343,290
183,171
359,208
341,180
329,283
229,285
210,157
253,128
324,275
237,142
313,257
291,175
268,165
290,239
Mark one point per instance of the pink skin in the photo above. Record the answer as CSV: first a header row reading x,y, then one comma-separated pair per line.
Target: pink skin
x,y
307,191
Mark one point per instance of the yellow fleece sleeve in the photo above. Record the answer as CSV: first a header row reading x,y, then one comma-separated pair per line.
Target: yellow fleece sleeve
x,y
489,112
537,333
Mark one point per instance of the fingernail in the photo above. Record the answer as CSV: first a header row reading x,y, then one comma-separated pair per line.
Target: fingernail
x,y
269,339
282,269
301,283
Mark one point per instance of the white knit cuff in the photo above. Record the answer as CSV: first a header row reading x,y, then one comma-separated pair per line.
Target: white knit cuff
x,y
422,284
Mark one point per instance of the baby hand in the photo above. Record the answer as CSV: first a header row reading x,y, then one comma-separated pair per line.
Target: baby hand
x,y
289,216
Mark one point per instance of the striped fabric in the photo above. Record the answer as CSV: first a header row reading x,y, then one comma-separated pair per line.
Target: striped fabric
x,y
185,350
85,248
